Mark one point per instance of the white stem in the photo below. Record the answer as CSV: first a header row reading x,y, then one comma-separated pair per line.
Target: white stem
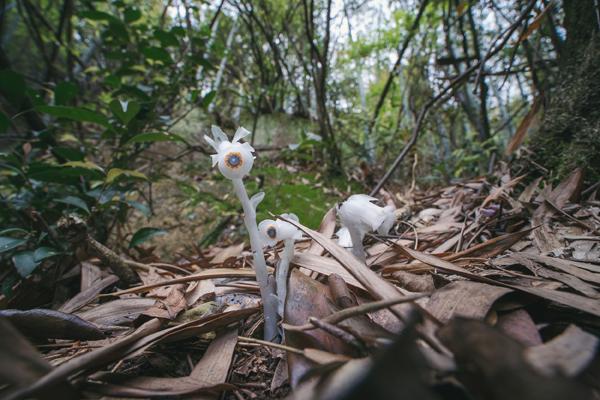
x,y
357,245
260,266
282,274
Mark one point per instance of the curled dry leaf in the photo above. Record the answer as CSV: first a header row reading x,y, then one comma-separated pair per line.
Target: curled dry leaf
x,y
21,365
51,324
567,354
465,299
493,366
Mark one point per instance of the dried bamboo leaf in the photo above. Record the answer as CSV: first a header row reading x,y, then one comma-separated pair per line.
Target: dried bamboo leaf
x,y
567,354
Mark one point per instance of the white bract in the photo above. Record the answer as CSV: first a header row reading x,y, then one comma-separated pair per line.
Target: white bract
x,y
344,238
359,215
234,159
273,232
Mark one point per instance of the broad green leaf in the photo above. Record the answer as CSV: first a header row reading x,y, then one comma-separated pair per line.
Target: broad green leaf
x,y
75,114
74,201
144,209
95,15
4,122
155,137
68,153
132,14
12,230
157,54
83,164
8,243
115,173
45,172
145,234
24,262
125,110
64,93
41,253
12,87
166,38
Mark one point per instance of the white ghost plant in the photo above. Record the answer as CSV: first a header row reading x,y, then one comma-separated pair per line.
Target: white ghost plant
x,y
235,160
273,231
358,216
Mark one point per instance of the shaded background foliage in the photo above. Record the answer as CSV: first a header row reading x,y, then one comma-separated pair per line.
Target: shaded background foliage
x,y
103,104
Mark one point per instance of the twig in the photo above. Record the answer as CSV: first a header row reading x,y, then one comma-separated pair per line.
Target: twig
x,y
362,309
339,333
271,344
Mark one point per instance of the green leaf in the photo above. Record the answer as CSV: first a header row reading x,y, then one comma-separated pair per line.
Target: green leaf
x,y
166,38
64,93
75,114
8,243
157,54
132,14
125,110
74,201
208,98
41,253
12,87
96,15
11,230
4,122
115,173
155,137
24,262
83,164
145,234
45,172
140,207
68,153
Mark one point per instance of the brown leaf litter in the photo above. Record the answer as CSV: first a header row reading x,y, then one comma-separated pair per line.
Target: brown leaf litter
x,y
481,291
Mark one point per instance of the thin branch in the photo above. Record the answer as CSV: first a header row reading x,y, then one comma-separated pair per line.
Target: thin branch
x,y
395,69
456,82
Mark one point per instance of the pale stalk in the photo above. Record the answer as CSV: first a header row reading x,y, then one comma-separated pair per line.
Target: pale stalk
x,y
357,246
260,266
282,274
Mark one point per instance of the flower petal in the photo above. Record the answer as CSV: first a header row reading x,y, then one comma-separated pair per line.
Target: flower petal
x,y
215,159
388,220
212,143
248,147
240,134
218,134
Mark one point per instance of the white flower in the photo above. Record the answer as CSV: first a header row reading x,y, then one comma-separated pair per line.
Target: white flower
x,y
274,231
358,216
359,212
234,159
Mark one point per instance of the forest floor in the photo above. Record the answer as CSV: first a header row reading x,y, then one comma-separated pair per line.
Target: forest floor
x,y
487,288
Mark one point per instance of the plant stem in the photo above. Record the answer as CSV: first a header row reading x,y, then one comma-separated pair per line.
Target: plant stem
x,y
282,274
357,245
260,267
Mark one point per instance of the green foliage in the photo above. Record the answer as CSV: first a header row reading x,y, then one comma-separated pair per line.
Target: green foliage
x,y
145,234
117,102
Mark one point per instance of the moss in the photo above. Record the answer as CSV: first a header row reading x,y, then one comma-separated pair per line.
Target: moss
x,y
570,133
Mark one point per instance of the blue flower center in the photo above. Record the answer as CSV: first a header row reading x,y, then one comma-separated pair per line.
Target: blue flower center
x,y
233,160
272,232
